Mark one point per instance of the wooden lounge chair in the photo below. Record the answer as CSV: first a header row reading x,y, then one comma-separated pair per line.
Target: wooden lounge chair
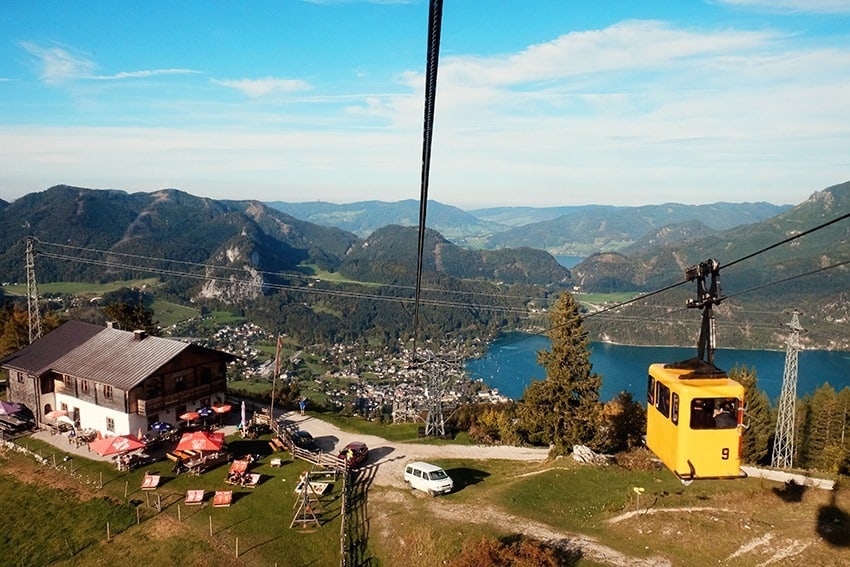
x,y
222,498
238,472
251,480
150,481
313,487
194,497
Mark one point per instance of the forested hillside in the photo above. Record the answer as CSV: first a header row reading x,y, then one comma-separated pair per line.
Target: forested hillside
x,y
281,272
385,256
810,273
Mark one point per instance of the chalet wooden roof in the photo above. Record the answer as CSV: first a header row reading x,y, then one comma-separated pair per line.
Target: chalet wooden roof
x,y
37,358
118,358
121,359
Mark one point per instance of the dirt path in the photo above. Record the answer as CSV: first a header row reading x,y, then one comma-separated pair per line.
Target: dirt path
x,y
584,546
388,460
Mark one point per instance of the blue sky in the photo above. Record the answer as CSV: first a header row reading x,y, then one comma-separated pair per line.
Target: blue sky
x,y
539,103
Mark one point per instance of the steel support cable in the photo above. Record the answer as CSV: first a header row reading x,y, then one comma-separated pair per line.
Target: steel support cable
x,y
785,280
747,257
731,324
741,259
435,17
787,240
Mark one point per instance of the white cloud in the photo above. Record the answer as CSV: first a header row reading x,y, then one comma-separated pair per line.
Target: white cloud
x,y
256,88
629,46
58,64
144,74
635,113
794,6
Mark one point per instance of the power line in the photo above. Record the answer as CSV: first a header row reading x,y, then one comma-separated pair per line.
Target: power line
x,y
284,287
289,275
431,302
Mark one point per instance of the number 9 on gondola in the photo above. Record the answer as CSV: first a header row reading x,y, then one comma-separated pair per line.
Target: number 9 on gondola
x,y
694,421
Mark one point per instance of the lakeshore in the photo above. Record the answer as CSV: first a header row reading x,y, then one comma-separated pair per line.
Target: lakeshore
x,y
510,364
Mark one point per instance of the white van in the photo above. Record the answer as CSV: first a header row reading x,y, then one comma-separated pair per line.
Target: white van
x,y
428,478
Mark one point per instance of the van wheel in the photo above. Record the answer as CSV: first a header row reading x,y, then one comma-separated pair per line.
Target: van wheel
x,y
431,493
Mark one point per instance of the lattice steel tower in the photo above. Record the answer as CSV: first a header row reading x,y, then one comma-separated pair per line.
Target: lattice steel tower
x,y
435,424
783,445
32,296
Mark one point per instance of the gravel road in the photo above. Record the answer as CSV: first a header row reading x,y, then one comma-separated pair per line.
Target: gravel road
x,y
389,457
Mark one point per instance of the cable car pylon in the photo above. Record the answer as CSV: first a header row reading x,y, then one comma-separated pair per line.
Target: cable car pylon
x,y
783,445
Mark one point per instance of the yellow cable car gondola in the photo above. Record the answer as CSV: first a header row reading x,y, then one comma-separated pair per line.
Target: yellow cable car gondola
x,y
694,411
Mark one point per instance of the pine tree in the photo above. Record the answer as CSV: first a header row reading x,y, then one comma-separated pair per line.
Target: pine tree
x,y
131,317
563,410
757,437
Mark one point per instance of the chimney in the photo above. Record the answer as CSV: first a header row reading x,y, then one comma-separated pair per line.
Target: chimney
x,y
139,334
110,324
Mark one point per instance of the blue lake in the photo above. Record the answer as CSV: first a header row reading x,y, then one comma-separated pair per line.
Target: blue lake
x,y
511,363
568,261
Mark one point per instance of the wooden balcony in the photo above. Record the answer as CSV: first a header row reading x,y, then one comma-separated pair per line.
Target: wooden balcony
x,y
153,405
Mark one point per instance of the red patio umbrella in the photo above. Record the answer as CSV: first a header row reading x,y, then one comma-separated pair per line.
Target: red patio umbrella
x,y
221,409
115,445
201,441
189,416
55,414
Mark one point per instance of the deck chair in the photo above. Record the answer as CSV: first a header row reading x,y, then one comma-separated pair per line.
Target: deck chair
x,y
238,472
194,497
251,480
150,481
222,498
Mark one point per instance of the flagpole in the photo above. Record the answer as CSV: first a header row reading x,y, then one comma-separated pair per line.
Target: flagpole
x,y
274,380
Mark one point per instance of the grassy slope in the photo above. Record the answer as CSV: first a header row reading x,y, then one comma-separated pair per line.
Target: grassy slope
x,y
495,498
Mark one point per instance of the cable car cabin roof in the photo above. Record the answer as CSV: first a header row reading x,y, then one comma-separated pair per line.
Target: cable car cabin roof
x,y
699,375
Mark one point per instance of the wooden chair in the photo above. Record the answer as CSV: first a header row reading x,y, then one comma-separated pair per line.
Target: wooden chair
x,y
222,498
150,481
194,497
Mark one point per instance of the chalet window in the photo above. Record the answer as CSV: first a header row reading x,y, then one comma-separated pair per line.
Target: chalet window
x,y
110,424
67,380
179,383
84,386
63,406
206,375
107,392
153,388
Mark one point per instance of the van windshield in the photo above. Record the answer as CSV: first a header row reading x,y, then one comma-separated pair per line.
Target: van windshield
x,y
439,475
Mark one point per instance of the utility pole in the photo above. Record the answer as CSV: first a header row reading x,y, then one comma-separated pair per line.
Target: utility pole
x,y
32,295
783,445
